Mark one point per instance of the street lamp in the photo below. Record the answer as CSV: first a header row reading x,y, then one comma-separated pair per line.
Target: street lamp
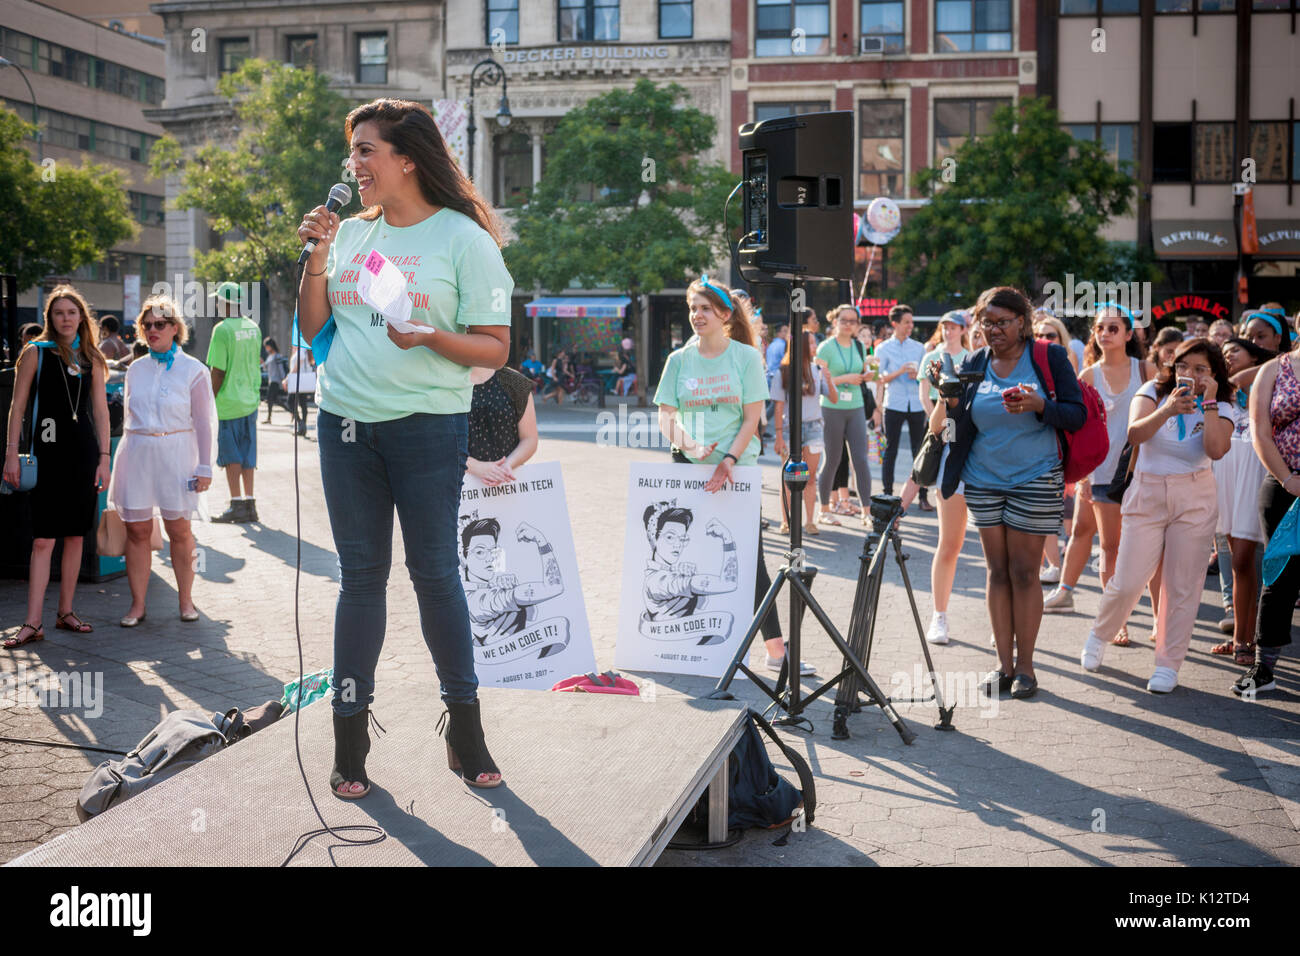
x,y
492,74
40,145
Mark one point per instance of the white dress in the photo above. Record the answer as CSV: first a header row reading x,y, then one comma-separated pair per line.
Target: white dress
x,y
169,437
1239,475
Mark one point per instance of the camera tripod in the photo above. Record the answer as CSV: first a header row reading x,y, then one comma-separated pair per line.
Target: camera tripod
x,y
786,694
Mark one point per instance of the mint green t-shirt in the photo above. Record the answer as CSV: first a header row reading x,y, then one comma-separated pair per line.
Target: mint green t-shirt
x,y
939,354
710,395
236,349
455,278
843,360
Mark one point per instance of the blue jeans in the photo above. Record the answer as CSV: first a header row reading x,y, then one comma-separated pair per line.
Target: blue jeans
x,y
416,465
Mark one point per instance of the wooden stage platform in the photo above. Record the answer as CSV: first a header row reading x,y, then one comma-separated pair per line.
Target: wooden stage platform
x,y
591,780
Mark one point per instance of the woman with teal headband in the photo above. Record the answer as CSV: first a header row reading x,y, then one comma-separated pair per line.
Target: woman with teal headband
x,y
1267,329
63,371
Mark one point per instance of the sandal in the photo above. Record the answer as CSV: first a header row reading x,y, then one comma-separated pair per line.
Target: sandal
x,y
828,518
847,508
785,527
467,752
18,640
1244,654
81,627
1121,639
811,528
351,746
1225,648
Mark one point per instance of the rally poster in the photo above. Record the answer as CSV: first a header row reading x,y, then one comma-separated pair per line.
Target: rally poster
x,y
688,569
520,574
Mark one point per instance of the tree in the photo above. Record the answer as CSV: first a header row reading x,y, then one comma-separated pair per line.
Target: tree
x,y
625,202
287,152
56,217
1021,206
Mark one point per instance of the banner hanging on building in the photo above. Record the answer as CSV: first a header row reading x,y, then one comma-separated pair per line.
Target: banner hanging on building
x,y
452,118
520,574
688,569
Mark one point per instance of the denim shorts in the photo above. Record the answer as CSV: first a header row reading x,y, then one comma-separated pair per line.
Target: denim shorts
x,y
237,441
813,434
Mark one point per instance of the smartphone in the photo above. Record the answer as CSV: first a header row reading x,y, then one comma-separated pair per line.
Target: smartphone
x,y
192,484
1015,391
1188,383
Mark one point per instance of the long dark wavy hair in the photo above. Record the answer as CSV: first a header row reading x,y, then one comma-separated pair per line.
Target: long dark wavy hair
x,y
1092,351
1218,368
410,129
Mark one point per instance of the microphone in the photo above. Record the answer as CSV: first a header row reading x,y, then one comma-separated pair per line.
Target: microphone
x,y
340,196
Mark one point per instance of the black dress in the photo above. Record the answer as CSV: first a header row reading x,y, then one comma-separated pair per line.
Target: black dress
x,y
498,405
64,499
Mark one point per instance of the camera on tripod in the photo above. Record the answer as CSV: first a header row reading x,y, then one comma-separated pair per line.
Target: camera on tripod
x,y
884,510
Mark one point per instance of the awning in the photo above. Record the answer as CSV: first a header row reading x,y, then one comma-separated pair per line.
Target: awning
x,y
603,307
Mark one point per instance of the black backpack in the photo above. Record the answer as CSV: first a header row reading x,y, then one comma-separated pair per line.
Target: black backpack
x,y
759,796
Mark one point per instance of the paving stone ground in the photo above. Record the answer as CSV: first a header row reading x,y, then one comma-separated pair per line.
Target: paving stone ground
x,y
1093,771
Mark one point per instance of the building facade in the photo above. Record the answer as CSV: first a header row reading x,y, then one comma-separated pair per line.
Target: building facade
x,y
93,86
557,54
392,48
1199,96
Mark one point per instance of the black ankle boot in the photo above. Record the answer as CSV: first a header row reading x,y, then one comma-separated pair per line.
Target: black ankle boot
x,y
467,751
351,745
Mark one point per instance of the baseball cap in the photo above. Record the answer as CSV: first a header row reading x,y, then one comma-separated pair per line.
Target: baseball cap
x,y
956,317
228,292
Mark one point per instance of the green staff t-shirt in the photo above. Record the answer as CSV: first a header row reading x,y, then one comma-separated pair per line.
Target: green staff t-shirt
x,y
843,360
455,278
710,395
236,349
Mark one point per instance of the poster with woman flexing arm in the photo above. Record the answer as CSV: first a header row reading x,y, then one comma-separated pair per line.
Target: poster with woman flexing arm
x,y
688,569
520,575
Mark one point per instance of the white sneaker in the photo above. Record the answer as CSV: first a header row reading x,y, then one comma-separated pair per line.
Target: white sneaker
x,y
993,640
1094,649
1096,565
774,665
1050,575
938,633
1164,680
1058,601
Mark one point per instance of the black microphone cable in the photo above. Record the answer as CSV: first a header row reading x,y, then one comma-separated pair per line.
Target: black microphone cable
x,y
336,832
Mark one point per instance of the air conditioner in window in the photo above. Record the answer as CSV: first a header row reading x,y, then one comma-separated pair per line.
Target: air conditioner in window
x,y
871,46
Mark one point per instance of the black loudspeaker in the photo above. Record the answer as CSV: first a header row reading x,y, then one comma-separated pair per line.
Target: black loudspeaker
x,y
798,209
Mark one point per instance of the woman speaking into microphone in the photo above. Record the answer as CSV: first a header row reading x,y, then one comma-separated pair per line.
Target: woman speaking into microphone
x,y
393,419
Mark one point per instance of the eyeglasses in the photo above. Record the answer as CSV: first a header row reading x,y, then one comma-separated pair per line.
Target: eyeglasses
x,y
1193,369
480,553
998,323
159,325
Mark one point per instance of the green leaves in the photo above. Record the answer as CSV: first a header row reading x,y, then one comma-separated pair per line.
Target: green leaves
x,y
625,202
288,152
57,217
1026,206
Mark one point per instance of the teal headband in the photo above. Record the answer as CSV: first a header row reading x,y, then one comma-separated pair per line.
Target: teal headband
x,y
1264,316
717,290
1121,309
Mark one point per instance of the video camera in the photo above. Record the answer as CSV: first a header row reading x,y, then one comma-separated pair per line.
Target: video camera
x,y
951,386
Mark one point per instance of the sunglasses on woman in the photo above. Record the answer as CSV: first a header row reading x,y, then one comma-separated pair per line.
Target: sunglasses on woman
x,y
1047,334
159,325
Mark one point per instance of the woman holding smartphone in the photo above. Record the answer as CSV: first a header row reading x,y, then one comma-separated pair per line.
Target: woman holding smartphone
x,y
164,460
1171,507
1006,450
393,419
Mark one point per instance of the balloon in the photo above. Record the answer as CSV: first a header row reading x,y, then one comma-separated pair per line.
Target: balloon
x,y
883,214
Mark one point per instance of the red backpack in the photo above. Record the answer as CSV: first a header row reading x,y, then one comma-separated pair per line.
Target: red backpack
x,y
1086,448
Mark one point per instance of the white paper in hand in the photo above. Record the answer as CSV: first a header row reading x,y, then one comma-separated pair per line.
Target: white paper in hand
x,y
383,287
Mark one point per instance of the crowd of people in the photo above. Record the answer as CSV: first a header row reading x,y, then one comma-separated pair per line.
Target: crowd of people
x,y
1203,435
